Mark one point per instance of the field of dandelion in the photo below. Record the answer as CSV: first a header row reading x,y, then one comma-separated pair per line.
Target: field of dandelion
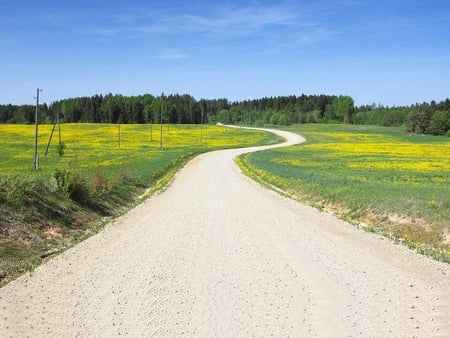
x,y
112,147
380,178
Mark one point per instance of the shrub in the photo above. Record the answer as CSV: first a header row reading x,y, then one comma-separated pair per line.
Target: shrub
x,y
78,190
14,189
61,148
72,185
62,178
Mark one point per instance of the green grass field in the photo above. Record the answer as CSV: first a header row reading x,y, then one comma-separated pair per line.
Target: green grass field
x,y
380,178
96,179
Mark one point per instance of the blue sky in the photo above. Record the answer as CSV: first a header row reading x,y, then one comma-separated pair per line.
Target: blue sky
x,y
390,52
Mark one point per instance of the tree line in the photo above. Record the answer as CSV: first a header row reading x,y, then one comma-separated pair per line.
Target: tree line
x,y
424,118
432,118
185,109
111,109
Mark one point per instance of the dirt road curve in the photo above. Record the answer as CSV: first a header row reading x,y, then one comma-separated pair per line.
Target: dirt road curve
x,y
216,255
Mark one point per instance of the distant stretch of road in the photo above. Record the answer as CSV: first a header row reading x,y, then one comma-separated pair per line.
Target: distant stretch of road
x,y
217,255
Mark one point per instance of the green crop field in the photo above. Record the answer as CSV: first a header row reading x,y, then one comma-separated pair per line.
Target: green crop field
x,y
379,178
102,172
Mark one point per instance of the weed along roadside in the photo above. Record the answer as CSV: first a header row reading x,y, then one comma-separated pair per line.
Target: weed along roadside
x,y
380,179
73,196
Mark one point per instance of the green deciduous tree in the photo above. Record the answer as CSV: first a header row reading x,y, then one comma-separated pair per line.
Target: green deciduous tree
x,y
439,123
342,109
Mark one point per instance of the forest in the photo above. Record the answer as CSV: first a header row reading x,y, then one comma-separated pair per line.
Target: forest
x,y
422,118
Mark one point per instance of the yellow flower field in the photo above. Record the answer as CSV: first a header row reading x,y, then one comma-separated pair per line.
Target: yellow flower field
x,y
112,146
372,175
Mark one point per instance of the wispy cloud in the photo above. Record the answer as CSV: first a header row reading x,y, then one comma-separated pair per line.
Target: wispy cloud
x,y
231,21
283,25
219,19
173,56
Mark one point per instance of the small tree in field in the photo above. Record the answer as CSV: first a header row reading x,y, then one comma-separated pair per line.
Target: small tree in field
x,y
61,148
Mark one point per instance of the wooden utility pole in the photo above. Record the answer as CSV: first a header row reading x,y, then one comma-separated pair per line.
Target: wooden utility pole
x,y
36,159
161,127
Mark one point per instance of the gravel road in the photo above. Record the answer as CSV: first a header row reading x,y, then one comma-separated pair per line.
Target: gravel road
x,y
217,255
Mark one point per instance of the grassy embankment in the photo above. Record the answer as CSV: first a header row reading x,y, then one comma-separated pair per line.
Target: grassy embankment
x,y
380,179
96,180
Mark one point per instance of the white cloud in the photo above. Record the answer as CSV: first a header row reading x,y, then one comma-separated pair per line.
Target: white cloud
x,y
233,20
265,27
174,56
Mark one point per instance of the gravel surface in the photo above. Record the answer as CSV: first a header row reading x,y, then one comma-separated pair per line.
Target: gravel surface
x,y
217,255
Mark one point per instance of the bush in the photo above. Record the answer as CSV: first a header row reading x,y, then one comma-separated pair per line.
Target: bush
x,y
62,179
72,185
79,191
14,189
61,148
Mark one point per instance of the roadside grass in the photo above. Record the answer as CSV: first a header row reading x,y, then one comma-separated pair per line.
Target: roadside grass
x,y
381,179
72,196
